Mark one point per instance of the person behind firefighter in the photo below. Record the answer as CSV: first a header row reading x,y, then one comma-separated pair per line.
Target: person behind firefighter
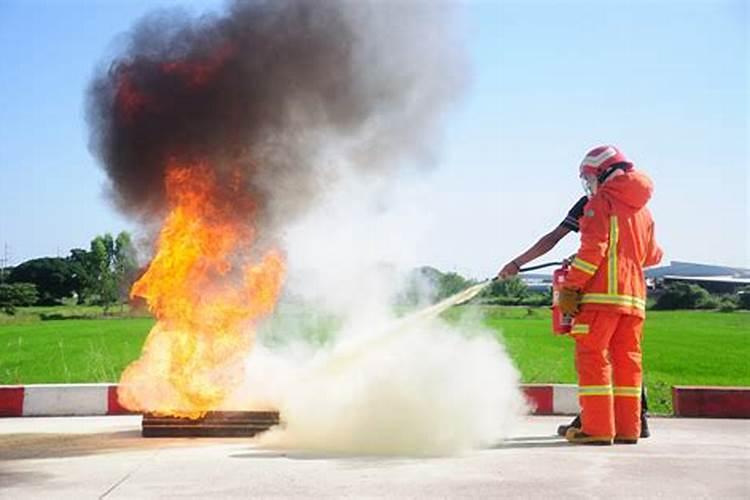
x,y
571,223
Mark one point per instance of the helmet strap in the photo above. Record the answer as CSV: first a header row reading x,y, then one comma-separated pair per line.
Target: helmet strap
x,y
611,170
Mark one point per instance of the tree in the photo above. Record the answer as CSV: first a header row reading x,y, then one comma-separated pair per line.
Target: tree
x,y
125,264
112,266
426,285
450,284
84,274
17,295
512,288
52,276
105,284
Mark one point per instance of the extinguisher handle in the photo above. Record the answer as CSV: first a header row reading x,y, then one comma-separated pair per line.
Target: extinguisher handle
x,y
540,266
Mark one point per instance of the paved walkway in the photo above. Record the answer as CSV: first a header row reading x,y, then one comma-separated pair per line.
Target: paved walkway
x,y
105,457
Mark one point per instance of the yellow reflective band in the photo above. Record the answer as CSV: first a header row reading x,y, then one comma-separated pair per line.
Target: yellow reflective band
x,y
614,234
584,266
616,300
594,390
630,392
579,329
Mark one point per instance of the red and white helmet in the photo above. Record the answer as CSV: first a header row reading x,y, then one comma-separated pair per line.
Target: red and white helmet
x,y
600,159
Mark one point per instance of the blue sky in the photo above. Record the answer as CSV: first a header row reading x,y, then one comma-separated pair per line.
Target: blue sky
x,y
666,81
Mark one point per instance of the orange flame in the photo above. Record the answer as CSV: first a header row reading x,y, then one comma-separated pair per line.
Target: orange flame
x,y
205,295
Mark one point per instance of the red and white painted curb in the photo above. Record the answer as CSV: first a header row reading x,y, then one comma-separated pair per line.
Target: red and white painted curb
x,y
544,399
551,399
101,399
59,400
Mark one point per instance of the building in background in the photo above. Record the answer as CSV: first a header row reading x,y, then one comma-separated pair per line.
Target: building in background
x,y
715,279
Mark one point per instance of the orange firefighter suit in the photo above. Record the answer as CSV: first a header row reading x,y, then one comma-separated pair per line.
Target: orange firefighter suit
x,y
617,242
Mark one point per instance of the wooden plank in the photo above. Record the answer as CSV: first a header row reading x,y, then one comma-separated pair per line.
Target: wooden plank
x,y
213,424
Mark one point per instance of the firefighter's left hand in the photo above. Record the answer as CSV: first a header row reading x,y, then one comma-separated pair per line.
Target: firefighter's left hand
x,y
568,301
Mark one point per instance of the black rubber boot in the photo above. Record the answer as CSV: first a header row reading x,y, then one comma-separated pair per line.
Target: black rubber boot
x,y
644,426
563,429
644,414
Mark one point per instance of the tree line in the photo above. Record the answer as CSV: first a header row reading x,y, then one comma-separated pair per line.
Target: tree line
x,y
101,275
104,274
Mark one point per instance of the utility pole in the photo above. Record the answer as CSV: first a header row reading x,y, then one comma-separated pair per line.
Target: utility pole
x,y
4,262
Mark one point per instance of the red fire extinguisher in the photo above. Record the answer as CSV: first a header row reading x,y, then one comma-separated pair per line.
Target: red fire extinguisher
x,y
561,323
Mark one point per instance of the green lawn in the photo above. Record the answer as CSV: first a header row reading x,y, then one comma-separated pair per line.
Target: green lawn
x,y
25,315
680,348
94,350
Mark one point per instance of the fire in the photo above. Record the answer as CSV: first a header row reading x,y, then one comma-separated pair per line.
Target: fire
x,y
207,293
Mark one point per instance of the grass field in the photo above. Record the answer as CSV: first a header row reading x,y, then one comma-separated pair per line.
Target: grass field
x,y
680,348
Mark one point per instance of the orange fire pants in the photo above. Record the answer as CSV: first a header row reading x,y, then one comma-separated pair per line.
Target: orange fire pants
x,y
608,361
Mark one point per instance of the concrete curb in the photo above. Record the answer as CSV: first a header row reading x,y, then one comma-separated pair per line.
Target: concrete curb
x,y
544,399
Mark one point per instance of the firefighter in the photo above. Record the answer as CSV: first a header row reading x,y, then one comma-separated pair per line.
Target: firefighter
x,y
606,291
546,243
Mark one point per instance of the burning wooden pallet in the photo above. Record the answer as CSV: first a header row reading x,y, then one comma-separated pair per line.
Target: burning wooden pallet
x,y
212,424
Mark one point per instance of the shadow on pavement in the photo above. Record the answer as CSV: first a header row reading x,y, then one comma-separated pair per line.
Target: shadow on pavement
x,y
532,442
27,446
352,458
533,438
9,479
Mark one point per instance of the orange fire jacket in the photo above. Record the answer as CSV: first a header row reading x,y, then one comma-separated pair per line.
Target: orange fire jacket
x,y
617,242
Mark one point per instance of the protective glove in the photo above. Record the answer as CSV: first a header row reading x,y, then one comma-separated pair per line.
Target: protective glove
x,y
568,301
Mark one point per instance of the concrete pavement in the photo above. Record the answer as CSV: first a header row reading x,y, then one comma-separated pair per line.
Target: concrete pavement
x,y
105,457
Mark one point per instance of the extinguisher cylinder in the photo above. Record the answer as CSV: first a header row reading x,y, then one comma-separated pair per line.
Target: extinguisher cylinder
x,y
561,323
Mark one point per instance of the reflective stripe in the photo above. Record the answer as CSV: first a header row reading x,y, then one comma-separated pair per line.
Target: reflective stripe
x,y
615,300
579,329
584,266
614,234
594,390
628,391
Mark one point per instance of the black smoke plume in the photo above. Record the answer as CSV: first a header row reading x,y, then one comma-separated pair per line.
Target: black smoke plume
x,y
293,91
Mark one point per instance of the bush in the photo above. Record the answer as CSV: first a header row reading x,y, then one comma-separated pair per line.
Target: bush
x,y
537,300
685,296
743,298
502,301
709,302
728,304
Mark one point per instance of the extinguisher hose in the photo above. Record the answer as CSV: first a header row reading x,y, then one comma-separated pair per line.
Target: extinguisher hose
x,y
534,268
539,266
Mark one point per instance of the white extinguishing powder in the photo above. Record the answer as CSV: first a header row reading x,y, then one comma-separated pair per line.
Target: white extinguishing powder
x,y
416,386
432,390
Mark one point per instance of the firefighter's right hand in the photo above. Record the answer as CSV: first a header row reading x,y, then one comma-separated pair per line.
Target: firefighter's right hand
x,y
510,269
568,301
